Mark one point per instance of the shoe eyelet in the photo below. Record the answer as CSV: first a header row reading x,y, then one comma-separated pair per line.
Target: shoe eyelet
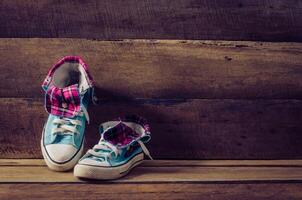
x,y
47,79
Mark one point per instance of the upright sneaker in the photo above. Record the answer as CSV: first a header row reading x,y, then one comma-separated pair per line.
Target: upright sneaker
x,y
120,148
68,90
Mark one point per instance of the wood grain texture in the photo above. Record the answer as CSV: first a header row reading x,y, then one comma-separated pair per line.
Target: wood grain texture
x,y
53,191
178,163
158,173
188,129
158,179
274,20
159,69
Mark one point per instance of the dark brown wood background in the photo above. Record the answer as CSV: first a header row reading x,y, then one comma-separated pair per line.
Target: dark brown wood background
x,y
210,98
265,20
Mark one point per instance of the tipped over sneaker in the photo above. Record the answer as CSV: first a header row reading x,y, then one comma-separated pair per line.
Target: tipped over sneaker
x,y
120,149
68,90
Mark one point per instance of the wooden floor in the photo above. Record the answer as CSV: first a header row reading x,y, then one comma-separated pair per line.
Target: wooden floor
x,y
160,179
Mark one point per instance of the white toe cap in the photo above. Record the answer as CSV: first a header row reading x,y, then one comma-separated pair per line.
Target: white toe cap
x,y
88,161
60,152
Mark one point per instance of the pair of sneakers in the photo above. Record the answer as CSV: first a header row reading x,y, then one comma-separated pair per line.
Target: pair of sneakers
x,y
68,91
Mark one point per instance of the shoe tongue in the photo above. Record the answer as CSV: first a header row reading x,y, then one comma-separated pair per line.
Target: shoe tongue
x,y
120,134
63,102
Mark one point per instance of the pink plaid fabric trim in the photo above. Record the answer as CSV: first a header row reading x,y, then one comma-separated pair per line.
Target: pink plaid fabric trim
x,y
122,134
136,119
48,78
65,102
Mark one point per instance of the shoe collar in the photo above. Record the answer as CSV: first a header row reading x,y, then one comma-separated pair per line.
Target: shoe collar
x,y
86,80
67,101
125,131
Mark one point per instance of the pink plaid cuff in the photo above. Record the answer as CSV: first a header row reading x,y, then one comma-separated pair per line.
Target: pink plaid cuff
x,y
48,78
65,102
122,134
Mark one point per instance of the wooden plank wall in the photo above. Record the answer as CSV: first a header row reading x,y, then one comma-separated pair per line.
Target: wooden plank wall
x,y
160,68
269,20
205,99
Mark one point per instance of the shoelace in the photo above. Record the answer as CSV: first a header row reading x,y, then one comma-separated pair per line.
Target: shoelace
x,y
66,126
109,150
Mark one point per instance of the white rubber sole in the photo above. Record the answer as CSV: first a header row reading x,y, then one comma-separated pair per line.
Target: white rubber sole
x,y
107,173
60,167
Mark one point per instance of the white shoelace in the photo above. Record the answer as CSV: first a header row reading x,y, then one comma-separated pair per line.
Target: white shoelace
x,y
111,150
107,150
66,126
145,150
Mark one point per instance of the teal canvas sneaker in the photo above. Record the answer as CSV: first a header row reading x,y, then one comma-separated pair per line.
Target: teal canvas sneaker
x,y
68,90
120,149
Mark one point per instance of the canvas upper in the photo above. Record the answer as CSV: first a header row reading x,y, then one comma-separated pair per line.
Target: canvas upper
x,y
68,90
120,141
